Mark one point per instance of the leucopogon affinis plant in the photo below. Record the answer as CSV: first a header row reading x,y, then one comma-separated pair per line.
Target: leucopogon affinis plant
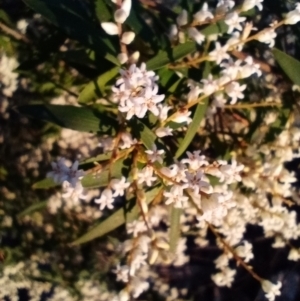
x,y
155,169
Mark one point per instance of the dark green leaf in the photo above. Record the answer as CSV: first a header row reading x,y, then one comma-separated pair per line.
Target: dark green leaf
x,y
117,170
289,65
193,128
75,118
75,19
96,88
34,207
44,184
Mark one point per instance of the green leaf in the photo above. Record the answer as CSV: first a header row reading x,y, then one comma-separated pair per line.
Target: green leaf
x,y
289,65
193,128
34,207
75,118
102,11
142,132
164,57
99,158
117,170
115,220
5,17
175,228
178,52
75,19
44,184
96,88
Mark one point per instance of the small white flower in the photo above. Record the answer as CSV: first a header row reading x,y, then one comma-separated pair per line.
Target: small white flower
x,y
146,176
122,273
175,196
210,85
122,58
234,90
219,54
110,28
203,15
155,155
293,16
119,186
225,277
196,35
182,18
127,37
182,116
233,20
272,290
163,132
294,254
268,37
106,199
249,4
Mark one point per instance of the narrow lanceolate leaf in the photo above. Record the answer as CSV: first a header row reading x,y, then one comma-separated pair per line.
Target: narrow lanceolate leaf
x,y
193,128
102,178
143,133
178,52
175,228
96,88
289,65
34,207
115,220
76,20
76,118
44,184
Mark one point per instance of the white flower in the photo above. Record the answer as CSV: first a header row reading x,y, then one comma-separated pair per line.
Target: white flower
x,y
122,273
173,32
272,290
219,54
146,176
164,131
234,90
203,15
210,85
245,251
163,112
110,28
182,116
194,160
155,155
196,35
225,277
249,4
267,37
127,37
175,196
182,18
294,254
106,199
136,227
293,16
119,186
233,20
127,141
122,58
122,13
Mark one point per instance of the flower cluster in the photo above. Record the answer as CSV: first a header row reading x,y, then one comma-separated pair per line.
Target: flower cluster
x,y
136,92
